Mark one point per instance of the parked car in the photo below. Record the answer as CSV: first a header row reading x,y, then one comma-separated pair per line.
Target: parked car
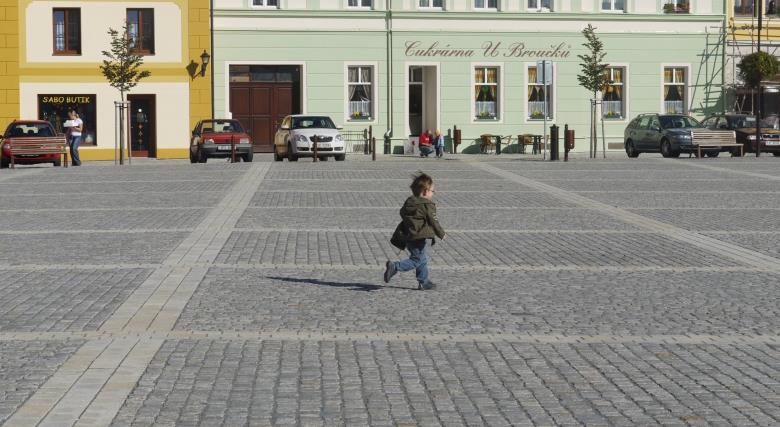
x,y
669,134
212,138
295,138
19,129
744,125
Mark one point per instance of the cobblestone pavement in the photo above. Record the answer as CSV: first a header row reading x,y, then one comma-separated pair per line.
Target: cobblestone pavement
x,y
593,292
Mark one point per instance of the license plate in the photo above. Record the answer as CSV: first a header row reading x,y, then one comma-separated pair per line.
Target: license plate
x,y
223,148
771,142
323,145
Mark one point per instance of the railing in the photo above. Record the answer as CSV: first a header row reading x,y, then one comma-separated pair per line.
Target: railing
x,y
612,109
361,107
485,109
536,110
674,107
355,140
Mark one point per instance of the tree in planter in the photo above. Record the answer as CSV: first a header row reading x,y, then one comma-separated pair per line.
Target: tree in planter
x,y
122,69
593,76
753,69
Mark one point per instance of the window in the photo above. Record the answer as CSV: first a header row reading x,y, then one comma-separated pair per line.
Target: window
x,y
436,4
676,6
359,3
140,28
674,90
539,96
612,5
747,7
486,4
67,31
360,96
265,3
486,93
540,5
613,106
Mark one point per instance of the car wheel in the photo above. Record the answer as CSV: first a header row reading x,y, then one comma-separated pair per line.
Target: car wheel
x,y
735,152
4,163
202,158
193,159
57,161
248,156
631,149
666,148
290,156
712,153
277,157
323,158
776,154
342,157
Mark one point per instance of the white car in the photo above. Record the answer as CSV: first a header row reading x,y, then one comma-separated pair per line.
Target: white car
x,y
295,138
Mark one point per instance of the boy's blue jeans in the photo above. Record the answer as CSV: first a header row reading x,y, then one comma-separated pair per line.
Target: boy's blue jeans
x,y
418,260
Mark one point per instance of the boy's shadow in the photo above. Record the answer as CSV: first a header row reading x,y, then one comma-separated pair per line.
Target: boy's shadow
x,y
364,287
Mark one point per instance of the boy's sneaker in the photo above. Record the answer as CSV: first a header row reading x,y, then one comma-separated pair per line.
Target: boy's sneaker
x,y
389,271
428,286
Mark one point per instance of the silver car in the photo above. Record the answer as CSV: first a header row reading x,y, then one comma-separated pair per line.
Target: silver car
x,y
296,134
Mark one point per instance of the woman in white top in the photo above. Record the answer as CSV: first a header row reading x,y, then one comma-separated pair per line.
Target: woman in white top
x,y
75,136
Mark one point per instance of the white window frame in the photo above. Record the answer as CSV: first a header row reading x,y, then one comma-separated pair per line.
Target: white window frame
x,y
360,4
265,4
486,8
626,105
538,7
552,113
686,87
430,2
612,6
374,91
499,92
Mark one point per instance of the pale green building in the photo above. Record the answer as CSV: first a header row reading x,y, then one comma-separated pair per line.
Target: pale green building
x,y
408,65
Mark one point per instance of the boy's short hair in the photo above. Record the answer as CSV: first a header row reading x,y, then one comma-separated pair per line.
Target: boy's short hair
x,y
421,183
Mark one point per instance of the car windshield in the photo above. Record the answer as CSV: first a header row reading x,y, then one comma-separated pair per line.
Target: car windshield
x,y
222,126
740,122
31,130
673,122
312,123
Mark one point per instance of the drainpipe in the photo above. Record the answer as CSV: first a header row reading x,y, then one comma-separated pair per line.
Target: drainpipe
x,y
389,66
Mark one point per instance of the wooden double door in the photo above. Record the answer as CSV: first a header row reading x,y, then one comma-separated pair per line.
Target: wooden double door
x,y
260,107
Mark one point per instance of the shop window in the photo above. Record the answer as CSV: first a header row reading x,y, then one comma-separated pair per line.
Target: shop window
x,y
613,5
265,3
54,109
539,96
67,31
486,4
360,3
486,91
540,5
140,29
431,4
674,90
614,106
360,93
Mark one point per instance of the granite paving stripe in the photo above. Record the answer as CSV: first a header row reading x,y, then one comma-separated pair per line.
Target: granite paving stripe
x,y
687,200
752,174
466,173
563,302
461,249
63,299
127,220
482,200
454,219
717,186
766,243
25,366
660,176
113,201
698,220
116,187
714,246
442,185
464,383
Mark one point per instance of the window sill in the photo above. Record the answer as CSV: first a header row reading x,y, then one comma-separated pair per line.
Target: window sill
x,y
485,119
360,119
537,119
66,54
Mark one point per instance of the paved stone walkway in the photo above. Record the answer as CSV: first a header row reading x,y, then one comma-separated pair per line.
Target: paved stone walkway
x,y
594,292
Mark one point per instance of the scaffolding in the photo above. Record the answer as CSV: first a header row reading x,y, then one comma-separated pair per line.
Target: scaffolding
x,y
741,41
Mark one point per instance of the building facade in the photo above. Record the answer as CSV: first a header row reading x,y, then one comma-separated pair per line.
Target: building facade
x,y
405,66
55,67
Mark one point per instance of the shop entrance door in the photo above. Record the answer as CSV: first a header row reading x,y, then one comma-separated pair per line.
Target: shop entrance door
x,y
423,99
143,125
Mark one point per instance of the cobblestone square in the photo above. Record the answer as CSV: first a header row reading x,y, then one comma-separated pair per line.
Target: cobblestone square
x,y
593,292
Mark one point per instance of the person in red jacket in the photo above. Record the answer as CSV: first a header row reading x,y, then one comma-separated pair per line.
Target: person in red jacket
x,y
426,147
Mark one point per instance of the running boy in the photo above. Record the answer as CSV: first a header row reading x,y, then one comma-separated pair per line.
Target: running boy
x,y
418,216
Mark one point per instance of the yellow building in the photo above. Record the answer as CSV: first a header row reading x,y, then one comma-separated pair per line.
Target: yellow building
x,y
50,54
741,39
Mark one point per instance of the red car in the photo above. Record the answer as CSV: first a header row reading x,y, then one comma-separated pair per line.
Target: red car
x,y
27,129
212,138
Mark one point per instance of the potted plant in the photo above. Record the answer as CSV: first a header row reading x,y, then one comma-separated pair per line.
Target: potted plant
x,y
485,115
613,115
358,115
669,8
537,115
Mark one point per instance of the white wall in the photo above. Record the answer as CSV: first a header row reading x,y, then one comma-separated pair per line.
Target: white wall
x,y
173,108
96,18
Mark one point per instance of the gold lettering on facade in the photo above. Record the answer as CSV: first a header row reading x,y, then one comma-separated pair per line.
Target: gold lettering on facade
x,y
489,49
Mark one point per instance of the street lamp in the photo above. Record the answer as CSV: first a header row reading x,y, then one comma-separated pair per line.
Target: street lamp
x,y
204,59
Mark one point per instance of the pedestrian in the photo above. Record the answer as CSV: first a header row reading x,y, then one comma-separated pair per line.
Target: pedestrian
x,y
425,144
418,224
74,136
438,143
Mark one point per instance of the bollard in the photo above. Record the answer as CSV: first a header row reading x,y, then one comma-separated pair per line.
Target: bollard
x,y
455,139
553,143
387,144
568,141
498,144
373,149
367,139
232,149
314,146
370,137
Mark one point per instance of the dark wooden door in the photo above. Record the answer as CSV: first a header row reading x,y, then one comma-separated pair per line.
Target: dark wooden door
x,y
260,107
143,125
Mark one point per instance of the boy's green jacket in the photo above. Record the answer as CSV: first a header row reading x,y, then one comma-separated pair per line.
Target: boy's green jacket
x,y
418,216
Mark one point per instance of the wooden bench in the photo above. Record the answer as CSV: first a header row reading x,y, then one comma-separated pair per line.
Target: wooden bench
x,y
37,146
715,139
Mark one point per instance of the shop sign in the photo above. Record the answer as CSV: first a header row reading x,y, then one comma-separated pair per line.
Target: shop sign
x,y
488,49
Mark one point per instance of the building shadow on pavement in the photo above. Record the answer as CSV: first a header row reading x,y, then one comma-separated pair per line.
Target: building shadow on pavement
x,y
364,287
